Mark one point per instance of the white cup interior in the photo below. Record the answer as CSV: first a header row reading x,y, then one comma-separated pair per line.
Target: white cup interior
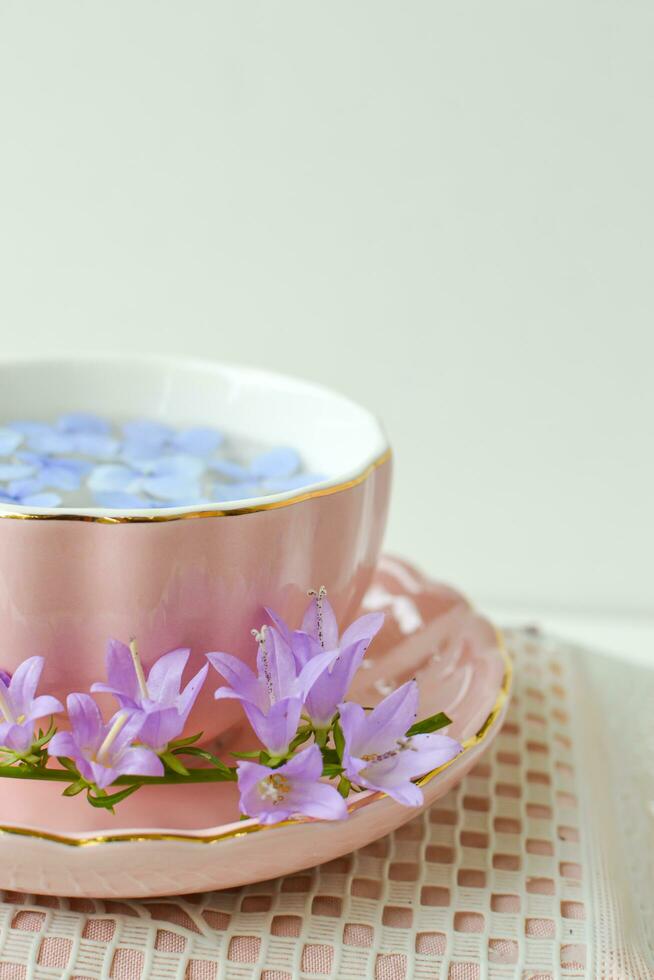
x,y
335,436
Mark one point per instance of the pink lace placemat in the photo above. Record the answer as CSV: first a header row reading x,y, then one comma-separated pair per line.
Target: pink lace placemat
x,y
538,866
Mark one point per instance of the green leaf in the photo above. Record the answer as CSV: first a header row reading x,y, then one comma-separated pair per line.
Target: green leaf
x,y
67,763
181,742
45,737
339,738
344,786
208,756
75,788
331,756
320,735
172,762
302,736
431,724
246,755
329,769
107,802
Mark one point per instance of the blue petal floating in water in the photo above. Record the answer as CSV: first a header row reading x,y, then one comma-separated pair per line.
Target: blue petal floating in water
x,y
228,492
15,471
183,502
55,471
26,487
84,423
281,461
41,500
45,499
10,440
198,441
49,440
229,470
112,478
98,446
170,487
181,467
147,433
29,428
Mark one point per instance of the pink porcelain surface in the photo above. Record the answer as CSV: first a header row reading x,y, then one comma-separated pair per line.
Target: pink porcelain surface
x,y
53,845
197,577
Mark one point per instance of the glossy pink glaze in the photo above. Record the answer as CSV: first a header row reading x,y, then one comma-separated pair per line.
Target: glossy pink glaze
x,y
66,587
431,632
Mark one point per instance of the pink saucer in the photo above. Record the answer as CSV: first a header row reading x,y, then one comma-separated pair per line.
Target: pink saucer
x,y
61,846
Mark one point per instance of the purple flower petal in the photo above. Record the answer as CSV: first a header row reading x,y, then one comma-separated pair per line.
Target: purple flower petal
x,y
276,664
17,737
43,706
165,677
237,674
277,728
189,695
271,795
282,628
378,753
364,628
23,684
139,761
391,718
122,681
86,720
332,686
320,622
62,744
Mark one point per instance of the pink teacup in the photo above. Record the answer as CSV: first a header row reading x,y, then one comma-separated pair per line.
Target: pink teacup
x,y
194,576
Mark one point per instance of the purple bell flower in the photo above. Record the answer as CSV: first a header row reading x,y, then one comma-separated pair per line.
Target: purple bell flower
x,y
381,756
271,795
158,700
273,697
103,752
21,707
319,634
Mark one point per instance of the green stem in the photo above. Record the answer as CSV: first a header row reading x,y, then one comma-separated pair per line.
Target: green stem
x,y
63,776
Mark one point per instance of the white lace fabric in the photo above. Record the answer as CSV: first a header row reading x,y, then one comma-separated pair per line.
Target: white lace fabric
x,y
539,865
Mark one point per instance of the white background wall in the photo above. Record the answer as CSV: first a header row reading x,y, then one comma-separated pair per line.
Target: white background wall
x,y
443,209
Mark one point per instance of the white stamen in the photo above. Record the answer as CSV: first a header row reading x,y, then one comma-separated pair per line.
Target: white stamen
x,y
274,787
319,596
111,735
138,667
260,637
5,707
402,745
